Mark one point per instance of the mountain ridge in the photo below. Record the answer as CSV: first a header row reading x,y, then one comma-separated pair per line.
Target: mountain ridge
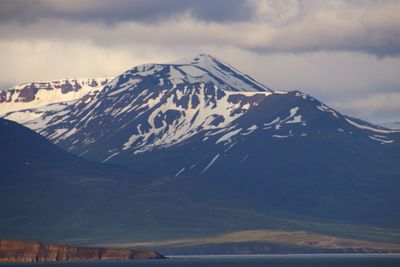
x,y
255,152
28,101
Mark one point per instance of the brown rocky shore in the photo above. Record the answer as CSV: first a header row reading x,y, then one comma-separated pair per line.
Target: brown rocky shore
x,y
31,251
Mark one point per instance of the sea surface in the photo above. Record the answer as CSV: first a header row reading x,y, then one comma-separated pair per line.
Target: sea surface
x,y
240,261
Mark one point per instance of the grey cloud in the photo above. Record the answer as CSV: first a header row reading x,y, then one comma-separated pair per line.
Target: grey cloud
x,y
123,10
261,26
375,107
358,26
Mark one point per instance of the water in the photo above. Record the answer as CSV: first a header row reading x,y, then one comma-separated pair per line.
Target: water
x,y
240,261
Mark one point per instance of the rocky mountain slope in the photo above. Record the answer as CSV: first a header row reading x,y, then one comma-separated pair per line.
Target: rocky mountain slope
x,y
50,195
200,117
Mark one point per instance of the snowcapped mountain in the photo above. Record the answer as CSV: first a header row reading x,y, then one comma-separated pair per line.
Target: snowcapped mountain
x,y
188,94
27,101
200,117
157,106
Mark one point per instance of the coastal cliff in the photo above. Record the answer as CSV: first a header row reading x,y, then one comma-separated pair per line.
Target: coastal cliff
x,y
31,251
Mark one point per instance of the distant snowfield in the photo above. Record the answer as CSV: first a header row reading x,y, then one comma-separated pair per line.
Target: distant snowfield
x,y
26,115
45,93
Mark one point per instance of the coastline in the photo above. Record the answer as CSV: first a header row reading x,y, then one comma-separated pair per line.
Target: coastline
x,y
32,251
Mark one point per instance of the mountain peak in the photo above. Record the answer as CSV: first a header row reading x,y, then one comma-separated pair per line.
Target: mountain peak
x,y
207,68
197,59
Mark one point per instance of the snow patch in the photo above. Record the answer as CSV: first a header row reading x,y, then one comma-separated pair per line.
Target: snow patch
x,y
228,136
250,130
179,172
211,163
267,125
243,159
365,127
382,141
325,108
50,92
109,157
281,136
295,119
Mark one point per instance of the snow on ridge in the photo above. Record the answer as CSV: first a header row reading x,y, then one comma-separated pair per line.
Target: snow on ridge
x,y
381,140
199,69
49,92
26,115
233,78
365,127
82,81
196,59
325,108
248,93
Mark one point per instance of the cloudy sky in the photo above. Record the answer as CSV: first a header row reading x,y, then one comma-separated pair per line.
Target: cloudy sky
x,y
344,52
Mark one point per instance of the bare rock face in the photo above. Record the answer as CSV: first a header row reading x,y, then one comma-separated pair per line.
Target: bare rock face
x,y
31,251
